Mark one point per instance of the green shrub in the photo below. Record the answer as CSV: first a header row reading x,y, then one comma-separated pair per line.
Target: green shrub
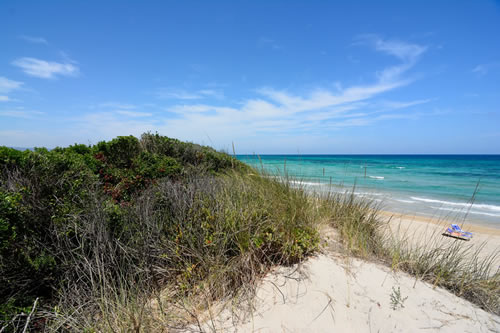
x,y
59,206
119,152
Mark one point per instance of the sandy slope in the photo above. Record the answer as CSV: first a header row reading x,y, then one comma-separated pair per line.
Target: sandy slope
x,y
334,294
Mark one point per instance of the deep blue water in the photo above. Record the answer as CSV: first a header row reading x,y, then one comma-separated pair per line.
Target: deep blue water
x,y
456,186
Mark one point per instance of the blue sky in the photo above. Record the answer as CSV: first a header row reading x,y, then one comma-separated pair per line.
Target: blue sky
x,y
270,76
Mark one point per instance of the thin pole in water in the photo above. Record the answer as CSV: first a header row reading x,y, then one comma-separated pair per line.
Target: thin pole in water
x,y
234,156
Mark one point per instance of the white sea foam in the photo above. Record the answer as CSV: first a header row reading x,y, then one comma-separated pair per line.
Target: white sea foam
x,y
310,184
484,213
405,201
376,177
463,211
300,182
459,204
398,167
368,194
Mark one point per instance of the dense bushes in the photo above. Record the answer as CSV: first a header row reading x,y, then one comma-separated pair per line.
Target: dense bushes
x,y
44,195
83,222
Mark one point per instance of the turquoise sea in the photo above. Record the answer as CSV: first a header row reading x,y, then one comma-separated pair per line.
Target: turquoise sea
x,y
444,186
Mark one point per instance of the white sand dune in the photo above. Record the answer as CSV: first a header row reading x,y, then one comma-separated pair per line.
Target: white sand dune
x,y
337,293
334,294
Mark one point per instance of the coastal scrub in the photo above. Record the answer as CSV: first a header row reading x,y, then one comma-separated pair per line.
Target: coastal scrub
x,y
85,228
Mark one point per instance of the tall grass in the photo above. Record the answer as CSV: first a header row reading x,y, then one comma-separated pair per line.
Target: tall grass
x,y
356,220
457,266
209,236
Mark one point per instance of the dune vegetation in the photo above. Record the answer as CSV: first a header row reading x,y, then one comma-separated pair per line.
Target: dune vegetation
x,y
117,236
84,226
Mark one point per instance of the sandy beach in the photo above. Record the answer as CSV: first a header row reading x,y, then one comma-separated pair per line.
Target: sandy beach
x,y
425,231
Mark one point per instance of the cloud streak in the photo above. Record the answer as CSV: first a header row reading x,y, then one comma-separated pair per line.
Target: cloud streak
x,y
6,85
122,110
19,113
408,53
46,69
180,94
483,69
115,105
133,114
34,40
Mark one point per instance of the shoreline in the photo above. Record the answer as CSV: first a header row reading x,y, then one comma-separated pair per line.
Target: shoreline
x,y
424,232
470,225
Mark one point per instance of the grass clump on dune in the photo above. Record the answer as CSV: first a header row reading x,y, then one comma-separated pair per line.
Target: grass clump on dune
x,y
356,220
94,232
456,266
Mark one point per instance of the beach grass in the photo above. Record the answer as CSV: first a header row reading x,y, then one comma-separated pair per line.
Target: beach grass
x,y
226,233
457,266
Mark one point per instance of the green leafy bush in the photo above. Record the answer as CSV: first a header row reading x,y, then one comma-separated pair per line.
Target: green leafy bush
x,y
130,211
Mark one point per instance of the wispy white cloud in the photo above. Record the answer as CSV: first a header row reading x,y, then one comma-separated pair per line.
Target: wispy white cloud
x,y
34,40
219,94
170,93
483,69
402,105
6,85
176,94
20,113
133,114
408,53
322,98
115,105
46,69
198,108
480,69
123,110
